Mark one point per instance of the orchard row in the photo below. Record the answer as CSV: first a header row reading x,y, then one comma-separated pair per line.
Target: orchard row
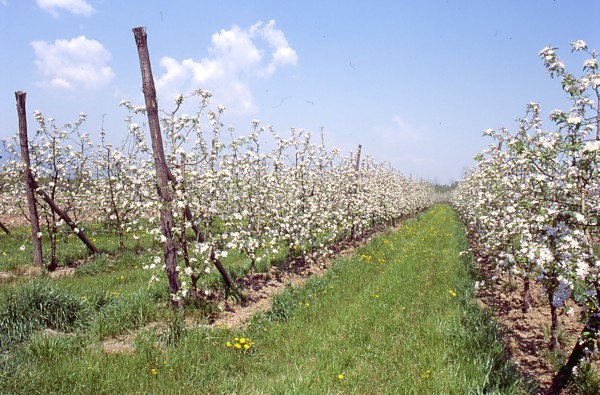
x,y
258,194
532,205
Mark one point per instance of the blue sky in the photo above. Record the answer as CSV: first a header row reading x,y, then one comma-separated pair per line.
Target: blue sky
x,y
414,82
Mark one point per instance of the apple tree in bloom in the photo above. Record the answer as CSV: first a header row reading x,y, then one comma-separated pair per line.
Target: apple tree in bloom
x,y
531,205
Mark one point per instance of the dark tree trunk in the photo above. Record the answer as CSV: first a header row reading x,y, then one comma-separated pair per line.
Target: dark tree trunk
x,y
65,217
587,340
5,229
162,171
561,379
526,295
554,344
29,181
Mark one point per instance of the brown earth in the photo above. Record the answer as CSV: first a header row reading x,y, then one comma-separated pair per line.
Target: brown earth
x,y
526,335
259,289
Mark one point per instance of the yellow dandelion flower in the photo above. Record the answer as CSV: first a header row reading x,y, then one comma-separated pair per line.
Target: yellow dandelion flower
x,y
242,340
228,344
340,377
154,372
237,346
246,346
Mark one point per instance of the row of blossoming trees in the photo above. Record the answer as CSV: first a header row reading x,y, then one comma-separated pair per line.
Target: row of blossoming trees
x,y
532,204
255,194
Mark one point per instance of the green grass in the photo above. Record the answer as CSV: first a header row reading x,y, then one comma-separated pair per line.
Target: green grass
x,y
397,317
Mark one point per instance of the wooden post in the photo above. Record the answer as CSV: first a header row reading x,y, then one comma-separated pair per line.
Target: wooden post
x,y
355,189
29,181
162,171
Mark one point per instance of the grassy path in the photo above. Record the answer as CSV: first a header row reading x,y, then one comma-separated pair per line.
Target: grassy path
x,y
395,318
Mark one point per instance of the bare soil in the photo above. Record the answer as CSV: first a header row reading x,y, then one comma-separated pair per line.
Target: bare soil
x,y
259,289
526,335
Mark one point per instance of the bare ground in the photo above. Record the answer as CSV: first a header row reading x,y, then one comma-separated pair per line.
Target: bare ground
x,y
526,335
259,289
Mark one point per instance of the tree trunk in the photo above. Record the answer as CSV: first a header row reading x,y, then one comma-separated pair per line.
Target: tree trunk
x,y
561,379
29,181
162,171
65,217
587,340
5,229
526,294
554,344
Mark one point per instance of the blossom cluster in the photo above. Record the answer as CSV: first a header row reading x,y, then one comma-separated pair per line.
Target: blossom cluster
x,y
532,203
261,194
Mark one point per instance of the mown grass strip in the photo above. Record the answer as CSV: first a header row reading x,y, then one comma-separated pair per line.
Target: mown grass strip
x,y
395,318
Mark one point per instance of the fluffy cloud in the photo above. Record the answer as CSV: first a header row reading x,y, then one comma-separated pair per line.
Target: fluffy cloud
x,y
73,64
79,7
236,56
403,131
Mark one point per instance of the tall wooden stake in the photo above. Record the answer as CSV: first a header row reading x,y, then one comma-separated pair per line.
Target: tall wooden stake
x,y
29,181
160,164
355,187
357,164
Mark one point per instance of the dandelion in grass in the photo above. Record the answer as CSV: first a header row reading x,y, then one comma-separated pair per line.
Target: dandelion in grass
x,y
341,377
240,343
154,372
451,291
427,374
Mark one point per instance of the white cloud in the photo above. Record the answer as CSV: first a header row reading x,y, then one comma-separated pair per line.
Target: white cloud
x,y
79,7
73,64
282,53
236,56
403,131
